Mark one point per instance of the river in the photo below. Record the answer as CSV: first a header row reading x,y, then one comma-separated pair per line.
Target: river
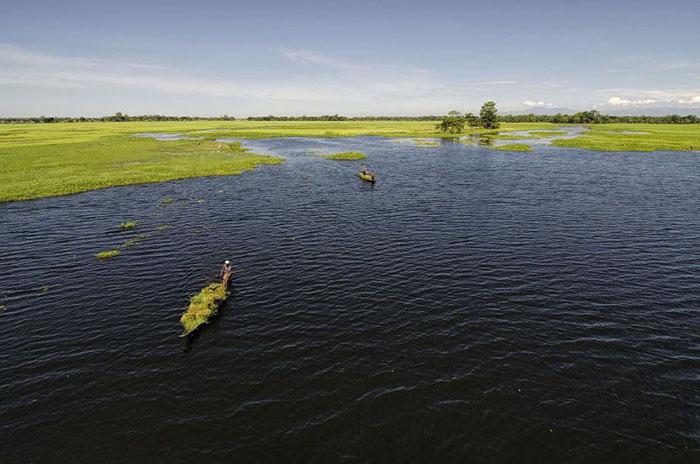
x,y
472,305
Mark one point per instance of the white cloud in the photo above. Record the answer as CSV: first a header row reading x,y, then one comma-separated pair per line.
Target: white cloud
x,y
619,101
536,104
310,56
689,100
393,86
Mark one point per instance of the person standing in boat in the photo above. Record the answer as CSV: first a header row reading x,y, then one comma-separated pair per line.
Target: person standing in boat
x,y
225,274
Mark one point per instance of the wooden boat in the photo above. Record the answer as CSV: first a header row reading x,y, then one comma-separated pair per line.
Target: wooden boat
x,y
368,176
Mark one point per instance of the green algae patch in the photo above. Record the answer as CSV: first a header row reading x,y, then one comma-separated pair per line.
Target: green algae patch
x,y
513,147
108,254
128,225
346,156
203,306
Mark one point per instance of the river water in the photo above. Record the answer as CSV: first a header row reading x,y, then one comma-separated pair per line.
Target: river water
x,y
473,305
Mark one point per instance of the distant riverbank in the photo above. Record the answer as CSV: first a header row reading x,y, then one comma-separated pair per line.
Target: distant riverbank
x,y
55,159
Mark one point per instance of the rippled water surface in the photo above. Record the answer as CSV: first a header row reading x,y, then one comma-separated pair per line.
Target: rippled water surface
x,y
473,306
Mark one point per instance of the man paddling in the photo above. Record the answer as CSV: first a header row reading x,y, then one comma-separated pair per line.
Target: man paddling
x,y
225,273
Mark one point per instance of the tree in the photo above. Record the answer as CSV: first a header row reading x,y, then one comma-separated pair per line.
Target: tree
x,y
472,120
488,115
452,123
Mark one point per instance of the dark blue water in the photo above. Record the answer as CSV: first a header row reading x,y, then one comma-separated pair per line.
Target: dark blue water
x,y
472,306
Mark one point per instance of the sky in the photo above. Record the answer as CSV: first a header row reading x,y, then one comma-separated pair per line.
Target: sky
x,y
351,57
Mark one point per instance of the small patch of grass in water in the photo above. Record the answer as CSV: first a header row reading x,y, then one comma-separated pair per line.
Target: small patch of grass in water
x,y
128,225
108,254
203,306
513,147
135,241
346,156
163,227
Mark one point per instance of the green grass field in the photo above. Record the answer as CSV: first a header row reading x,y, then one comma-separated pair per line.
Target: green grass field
x,y
636,137
39,160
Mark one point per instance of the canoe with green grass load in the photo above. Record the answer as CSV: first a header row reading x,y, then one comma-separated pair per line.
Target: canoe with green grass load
x,y
203,306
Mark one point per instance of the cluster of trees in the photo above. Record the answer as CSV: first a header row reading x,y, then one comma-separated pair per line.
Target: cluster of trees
x,y
455,121
595,117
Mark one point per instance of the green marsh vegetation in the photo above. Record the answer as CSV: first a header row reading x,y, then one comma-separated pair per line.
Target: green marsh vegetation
x,y
108,254
636,137
45,160
346,156
40,160
203,306
513,147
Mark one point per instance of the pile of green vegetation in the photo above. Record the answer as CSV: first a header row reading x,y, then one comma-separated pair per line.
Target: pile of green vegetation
x,y
108,254
128,225
203,306
514,147
346,156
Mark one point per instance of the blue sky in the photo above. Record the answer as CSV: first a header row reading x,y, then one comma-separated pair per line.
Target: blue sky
x,y
349,57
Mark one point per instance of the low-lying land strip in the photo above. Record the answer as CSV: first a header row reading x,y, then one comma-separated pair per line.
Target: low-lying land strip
x,y
39,160
636,137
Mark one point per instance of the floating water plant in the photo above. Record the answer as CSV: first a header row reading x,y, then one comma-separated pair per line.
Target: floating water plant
x,y
128,225
163,227
107,254
165,201
346,156
514,147
135,241
203,306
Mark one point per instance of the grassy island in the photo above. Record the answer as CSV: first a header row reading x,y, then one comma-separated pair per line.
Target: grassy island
x,y
346,156
203,306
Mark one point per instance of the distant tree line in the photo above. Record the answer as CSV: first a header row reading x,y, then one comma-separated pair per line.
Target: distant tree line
x,y
595,117
490,121
117,117
337,117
